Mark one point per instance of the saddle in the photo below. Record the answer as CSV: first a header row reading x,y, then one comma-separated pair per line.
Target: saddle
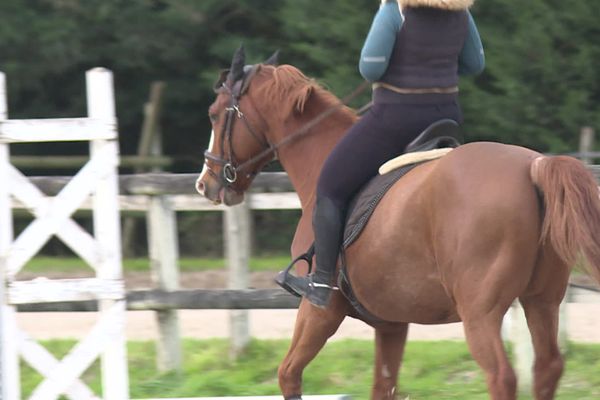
x,y
443,134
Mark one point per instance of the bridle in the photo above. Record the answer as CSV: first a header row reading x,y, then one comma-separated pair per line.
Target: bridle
x,y
228,162
230,168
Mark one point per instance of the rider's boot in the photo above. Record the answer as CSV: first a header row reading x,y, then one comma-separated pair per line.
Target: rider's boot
x,y
328,226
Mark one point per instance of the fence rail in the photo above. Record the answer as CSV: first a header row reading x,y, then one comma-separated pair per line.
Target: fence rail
x,y
227,299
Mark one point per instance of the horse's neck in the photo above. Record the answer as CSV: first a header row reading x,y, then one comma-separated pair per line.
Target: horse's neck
x,y
303,159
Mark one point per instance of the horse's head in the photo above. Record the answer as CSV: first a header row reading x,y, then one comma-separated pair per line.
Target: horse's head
x,y
238,139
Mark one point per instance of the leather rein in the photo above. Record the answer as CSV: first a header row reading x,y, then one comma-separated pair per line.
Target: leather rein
x,y
230,168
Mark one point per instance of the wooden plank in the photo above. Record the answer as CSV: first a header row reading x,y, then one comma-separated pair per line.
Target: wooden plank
x,y
197,299
101,105
11,372
185,202
204,299
44,362
237,248
51,290
71,233
168,184
53,162
9,357
56,129
163,248
71,196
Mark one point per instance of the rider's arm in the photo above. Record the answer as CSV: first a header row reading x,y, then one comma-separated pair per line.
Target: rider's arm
x,y
471,60
376,51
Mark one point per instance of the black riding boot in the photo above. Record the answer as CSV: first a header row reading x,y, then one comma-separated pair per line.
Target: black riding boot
x,y
328,226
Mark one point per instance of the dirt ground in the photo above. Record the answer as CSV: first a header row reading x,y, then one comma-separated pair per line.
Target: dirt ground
x,y
583,320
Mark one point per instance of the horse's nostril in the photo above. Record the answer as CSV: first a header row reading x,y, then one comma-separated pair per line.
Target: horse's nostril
x,y
200,187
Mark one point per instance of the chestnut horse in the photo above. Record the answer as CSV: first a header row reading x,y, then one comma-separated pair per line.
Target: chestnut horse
x,y
456,239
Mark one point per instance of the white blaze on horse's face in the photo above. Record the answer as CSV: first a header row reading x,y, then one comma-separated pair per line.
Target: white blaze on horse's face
x,y
211,143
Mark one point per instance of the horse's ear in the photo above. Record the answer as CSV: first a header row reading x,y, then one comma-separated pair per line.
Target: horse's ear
x,y
237,64
273,60
222,78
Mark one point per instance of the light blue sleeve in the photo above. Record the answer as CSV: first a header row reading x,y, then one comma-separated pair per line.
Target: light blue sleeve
x,y
471,60
378,46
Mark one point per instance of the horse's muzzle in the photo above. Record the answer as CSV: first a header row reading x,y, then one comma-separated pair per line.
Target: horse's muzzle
x,y
218,194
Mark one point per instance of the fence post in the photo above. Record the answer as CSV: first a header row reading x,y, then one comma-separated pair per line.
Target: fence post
x,y
101,105
9,357
522,348
586,144
163,252
237,246
150,144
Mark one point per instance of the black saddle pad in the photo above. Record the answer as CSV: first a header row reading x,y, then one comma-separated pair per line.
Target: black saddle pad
x,y
362,206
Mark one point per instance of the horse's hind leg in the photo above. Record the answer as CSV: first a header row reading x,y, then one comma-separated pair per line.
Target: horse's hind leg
x,y
542,319
482,330
485,343
312,329
389,349
541,304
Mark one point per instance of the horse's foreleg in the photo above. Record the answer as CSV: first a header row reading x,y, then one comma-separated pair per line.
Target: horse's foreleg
x,y
389,349
542,319
313,327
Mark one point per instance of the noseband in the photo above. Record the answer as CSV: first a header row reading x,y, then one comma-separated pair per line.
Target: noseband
x,y
230,167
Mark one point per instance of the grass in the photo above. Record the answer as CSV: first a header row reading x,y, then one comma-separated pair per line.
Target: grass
x,y
432,370
70,264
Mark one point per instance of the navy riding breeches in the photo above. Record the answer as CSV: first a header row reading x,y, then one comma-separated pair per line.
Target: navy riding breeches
x,y
381,134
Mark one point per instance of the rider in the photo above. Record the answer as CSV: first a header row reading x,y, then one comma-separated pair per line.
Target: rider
x,y
413,54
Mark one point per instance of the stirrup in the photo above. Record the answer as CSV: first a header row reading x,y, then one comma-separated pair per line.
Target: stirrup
x,y
283,276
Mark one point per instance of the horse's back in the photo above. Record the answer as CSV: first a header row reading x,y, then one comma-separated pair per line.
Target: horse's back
x,y
447,229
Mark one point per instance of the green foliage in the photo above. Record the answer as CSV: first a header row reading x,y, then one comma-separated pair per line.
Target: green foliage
x,y
539,88
540,85
431,370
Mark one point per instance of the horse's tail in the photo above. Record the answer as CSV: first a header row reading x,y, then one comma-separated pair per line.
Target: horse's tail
x,y
571,210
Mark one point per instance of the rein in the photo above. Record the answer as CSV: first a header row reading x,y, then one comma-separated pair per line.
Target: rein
x,y
304,130
230,171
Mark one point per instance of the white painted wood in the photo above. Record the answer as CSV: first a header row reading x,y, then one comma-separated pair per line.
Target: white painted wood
x,y
42,290
11,373
9,357
52,216
522,348
237,246
192,202
109,328
60,208
42,361
73,235
57,129
563,334
164,254
101,105
274,201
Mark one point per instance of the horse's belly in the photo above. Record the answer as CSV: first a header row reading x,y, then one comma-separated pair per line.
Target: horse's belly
x,y
402,292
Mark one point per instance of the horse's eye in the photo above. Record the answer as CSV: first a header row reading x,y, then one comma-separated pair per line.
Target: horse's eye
x,y
213,117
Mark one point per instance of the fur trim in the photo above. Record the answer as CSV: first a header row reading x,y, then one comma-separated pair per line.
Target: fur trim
x,y
443,4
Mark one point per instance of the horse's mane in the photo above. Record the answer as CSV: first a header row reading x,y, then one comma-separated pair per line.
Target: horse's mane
x,y
290,89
